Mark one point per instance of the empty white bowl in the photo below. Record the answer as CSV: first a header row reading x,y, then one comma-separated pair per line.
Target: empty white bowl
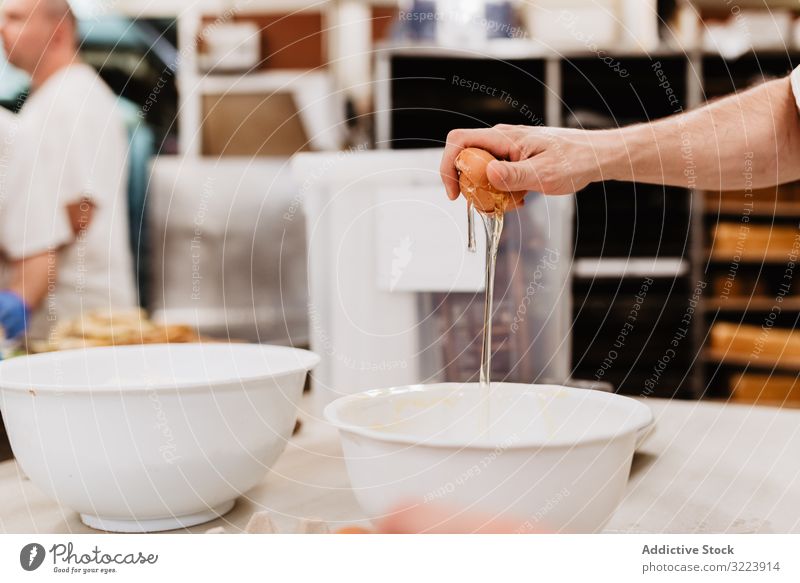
x,y
155,437
548,458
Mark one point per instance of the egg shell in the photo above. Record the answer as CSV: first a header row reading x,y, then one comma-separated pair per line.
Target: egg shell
x,y
471,164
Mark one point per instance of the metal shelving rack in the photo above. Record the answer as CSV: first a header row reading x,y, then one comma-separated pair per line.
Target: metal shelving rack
x,y
717,368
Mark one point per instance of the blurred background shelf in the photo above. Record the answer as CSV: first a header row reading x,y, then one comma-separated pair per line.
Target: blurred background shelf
x,y
752,304
611,267
766,209
624,233
747,360
776,258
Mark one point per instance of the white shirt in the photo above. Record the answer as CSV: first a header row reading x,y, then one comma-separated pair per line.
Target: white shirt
x,y
68,143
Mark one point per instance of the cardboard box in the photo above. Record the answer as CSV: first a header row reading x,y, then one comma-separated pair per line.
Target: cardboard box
x,y
252,124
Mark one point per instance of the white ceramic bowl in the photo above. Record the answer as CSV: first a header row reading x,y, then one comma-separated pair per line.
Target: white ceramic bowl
x,y
156,437
548,458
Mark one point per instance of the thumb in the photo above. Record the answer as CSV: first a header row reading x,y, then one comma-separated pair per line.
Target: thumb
x,y
512,176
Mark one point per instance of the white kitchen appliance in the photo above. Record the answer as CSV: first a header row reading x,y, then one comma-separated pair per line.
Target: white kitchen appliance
x,y
228,246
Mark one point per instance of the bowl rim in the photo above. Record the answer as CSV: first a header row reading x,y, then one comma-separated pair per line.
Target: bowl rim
x,y
307,362
640,419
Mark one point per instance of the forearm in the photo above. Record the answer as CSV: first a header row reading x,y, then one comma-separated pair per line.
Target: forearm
x,y
31,277
747,140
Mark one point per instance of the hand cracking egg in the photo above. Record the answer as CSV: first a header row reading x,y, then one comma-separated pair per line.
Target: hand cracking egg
x,y
472,164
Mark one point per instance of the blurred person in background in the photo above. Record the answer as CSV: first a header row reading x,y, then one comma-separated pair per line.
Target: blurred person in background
x,y
63,179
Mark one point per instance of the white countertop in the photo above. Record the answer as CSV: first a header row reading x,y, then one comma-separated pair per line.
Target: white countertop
x,y
707,467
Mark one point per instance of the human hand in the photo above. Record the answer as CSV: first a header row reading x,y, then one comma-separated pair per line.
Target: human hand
x,y
437,519
541,159
14,314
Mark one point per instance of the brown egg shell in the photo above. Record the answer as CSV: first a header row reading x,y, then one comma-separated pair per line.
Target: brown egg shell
x,y
471,164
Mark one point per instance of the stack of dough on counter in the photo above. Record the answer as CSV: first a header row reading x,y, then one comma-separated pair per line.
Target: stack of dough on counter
x,y
103,328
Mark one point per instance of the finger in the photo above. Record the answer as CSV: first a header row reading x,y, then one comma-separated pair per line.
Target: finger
x,y
514,176
437,519
353,530
497,142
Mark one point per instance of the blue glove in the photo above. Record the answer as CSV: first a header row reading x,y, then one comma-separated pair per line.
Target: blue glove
x,y
14,314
